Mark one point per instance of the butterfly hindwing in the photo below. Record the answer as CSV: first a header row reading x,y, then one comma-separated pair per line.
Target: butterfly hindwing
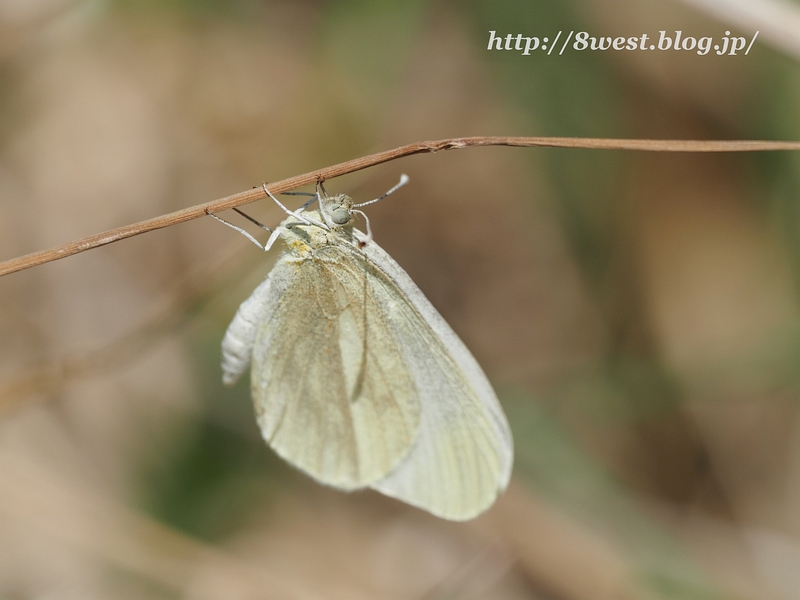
x,y
462,458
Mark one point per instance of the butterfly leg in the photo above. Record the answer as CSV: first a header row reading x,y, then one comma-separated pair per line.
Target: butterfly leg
x,y
252,220
307,204
242,231
369,229
292,213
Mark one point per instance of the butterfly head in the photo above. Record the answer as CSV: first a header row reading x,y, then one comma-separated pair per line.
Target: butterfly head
x,y
337,209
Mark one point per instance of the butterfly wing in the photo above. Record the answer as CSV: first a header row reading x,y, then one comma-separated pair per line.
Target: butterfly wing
x,y
333,389
462,457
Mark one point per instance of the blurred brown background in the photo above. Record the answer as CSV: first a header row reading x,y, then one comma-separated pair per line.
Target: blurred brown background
x,y
637,313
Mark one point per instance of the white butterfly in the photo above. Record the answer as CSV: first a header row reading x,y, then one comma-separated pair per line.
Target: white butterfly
x,y
357,380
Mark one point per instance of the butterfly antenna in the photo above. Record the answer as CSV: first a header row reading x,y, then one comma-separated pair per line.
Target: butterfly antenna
x,y
403,180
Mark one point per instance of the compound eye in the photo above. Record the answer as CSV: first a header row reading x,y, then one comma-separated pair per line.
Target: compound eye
x,y
340,215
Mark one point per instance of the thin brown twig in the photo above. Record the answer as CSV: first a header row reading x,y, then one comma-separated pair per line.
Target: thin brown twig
x,y
350,166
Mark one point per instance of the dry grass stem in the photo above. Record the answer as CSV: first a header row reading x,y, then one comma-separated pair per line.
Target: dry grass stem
x,y
187,214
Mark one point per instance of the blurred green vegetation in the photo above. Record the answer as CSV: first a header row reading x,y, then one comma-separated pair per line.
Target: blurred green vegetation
x,y
218,473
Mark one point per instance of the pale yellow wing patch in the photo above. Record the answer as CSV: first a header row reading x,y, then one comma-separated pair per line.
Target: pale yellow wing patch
x,y
332,386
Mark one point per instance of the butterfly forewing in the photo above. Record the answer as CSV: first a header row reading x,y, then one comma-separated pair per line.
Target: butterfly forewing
x,y
333,388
